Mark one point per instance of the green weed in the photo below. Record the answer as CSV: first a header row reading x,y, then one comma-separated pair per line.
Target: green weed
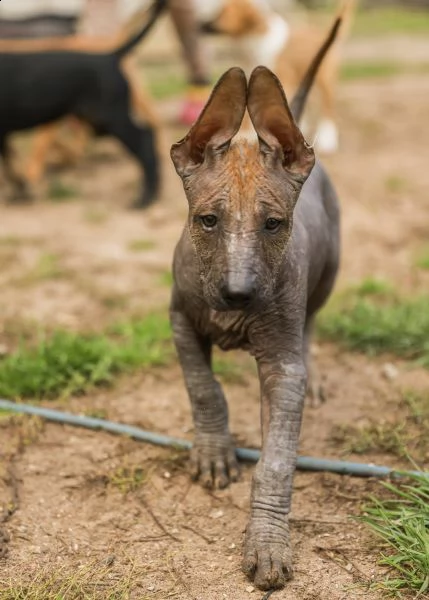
x,y
47,267
228,371
60,192
373,287
141,245
391,20
71,363
166,278
95,581
396,184
402,522
422,261
376,325
127,479
406,435
374,438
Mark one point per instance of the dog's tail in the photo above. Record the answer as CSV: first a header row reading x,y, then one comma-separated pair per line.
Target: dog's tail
x,y
346,12
154,12
298,101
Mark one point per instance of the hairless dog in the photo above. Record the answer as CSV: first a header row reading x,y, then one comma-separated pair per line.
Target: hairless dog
x,y
257,258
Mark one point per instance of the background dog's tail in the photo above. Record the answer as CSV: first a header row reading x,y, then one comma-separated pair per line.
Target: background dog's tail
x,y
346,13
154,12
298,101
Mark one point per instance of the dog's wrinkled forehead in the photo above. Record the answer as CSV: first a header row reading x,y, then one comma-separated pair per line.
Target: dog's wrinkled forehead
x,y
237,177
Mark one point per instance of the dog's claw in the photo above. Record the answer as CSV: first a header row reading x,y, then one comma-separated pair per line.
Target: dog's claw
x,y
268,564
213,461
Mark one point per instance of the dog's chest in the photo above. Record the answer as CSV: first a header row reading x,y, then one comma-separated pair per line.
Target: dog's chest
x,y
228,330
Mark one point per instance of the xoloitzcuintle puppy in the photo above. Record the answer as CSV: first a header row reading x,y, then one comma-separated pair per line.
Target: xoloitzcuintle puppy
x,y
257,258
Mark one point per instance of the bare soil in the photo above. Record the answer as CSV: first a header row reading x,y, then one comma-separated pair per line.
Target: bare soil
x,y
127,512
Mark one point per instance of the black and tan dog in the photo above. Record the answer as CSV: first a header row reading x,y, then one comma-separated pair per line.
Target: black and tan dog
x,y
43,86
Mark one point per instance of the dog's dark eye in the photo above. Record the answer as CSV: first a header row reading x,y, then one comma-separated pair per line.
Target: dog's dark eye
x,y
272,224
209,221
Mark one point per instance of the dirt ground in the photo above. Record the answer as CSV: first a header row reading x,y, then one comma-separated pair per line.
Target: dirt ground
x,y
80,511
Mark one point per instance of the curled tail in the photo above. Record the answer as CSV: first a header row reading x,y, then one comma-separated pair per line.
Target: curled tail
x,y
154,12
298,101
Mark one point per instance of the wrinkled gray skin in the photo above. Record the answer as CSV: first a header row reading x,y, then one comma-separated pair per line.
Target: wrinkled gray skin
x,y
239,284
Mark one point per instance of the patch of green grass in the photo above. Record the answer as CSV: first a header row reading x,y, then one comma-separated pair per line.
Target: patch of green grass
x,y
374,438
402,523
95,413
166,278
422,261
71,363
396,184
167,87
373,287
95,580
48,267
127,479
95,216
372,69
112,301
405,435
417,405
60,192
228,370
391,20
11,241
376,325
368,69
141,245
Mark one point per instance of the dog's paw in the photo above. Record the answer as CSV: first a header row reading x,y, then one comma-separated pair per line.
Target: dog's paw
x,y
21,195
267,560
147,198
315,394
213,460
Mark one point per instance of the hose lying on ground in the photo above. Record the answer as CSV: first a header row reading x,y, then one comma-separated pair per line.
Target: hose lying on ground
x,y
304,463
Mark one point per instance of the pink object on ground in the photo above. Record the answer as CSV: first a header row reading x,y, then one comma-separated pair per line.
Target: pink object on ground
x,y
193,104
190,111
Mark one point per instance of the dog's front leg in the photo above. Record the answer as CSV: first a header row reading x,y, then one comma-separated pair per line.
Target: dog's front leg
x,y
267,553
213,454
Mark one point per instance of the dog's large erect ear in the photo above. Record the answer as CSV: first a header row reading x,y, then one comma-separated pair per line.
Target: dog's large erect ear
x,y
217,124
278,134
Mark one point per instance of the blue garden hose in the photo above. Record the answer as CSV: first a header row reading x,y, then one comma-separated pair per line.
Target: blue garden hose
x,y
304,463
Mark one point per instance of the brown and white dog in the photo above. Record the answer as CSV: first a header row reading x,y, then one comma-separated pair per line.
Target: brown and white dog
x,y
265,38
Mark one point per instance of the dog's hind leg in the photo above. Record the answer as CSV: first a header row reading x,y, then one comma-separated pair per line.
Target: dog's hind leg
x,y
21,191
315,392
140,141
71,150
42,143
142,104
327,132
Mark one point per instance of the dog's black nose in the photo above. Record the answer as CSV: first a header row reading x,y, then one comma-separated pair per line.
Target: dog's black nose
x,y
237,297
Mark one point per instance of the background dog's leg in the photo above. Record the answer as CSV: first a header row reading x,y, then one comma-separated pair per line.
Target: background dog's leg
x,y
21,192
213,454
140,141
42,143
327,131
141,101
315,393
72,150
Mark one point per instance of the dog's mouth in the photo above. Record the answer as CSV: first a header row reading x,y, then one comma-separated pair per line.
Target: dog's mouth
x,y
238,303
222,304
